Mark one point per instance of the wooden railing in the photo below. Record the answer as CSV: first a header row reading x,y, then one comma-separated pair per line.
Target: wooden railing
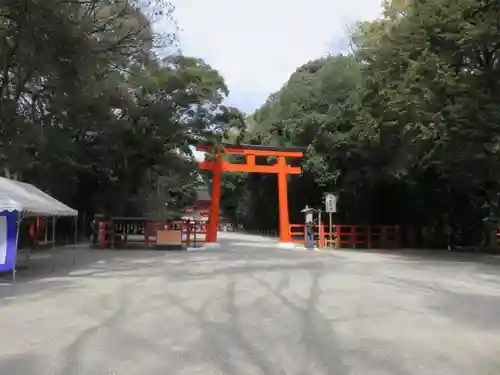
x,y
350,236
193,233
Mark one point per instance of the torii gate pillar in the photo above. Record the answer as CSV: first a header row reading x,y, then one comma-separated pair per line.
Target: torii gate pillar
x,y
280,168
284,220
213,215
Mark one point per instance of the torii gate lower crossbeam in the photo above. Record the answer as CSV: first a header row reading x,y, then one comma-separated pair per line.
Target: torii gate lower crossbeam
x,y
281,169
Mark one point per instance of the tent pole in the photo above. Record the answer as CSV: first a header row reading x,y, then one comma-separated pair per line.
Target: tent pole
x,y
84,225
76,239
46,231
53,243
14,271
76,230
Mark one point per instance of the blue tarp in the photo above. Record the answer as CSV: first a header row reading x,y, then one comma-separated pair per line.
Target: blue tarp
x,y
8,240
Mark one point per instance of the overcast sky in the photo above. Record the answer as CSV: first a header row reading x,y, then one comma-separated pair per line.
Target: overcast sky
x,y
257,44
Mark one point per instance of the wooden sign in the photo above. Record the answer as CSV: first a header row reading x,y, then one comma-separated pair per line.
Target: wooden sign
x,y
168,237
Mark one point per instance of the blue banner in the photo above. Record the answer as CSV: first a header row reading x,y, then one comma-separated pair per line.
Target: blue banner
x,y
8,240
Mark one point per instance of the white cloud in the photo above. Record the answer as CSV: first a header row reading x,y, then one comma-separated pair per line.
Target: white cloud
x,y
257,44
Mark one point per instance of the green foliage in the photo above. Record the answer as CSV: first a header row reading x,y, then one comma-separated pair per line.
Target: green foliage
x,y
91,114
405,129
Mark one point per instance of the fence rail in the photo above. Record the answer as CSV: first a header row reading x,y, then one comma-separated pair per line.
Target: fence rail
x,y
192,233
351,236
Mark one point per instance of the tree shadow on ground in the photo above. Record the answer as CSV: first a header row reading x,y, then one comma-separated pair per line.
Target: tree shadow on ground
x,y
21,364
219,338
324,345
110,328
52,273
429,255
475,310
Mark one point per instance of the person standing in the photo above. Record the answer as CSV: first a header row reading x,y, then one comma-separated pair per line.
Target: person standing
x,y
310,231
94,227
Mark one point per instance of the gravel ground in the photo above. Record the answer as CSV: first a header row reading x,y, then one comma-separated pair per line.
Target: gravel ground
x,y
250,308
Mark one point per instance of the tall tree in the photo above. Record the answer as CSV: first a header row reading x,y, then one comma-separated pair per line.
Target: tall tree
x,y
405,128
91,114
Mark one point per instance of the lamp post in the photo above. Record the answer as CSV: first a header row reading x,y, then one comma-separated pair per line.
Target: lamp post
x,y
309,227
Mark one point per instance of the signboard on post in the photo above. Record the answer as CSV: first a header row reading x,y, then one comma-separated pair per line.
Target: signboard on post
x,y
330,207
330,203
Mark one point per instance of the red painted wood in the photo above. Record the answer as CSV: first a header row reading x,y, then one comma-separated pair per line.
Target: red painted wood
x,y
243,151
351,235
281,168
213,218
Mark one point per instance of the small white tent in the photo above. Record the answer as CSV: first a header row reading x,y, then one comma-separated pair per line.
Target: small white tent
x,y
30,201
18,200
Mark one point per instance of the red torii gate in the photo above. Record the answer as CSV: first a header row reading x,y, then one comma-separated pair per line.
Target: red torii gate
x,y
281,168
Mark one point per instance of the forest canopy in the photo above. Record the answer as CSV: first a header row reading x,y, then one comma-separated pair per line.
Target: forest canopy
x,y
91,113
99,109
405,128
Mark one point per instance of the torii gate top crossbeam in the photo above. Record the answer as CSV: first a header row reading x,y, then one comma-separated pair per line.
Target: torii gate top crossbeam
x,y
258,150
251,151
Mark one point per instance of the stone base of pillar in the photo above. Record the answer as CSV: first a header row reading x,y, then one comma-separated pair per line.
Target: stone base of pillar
x,y
286,245
211,245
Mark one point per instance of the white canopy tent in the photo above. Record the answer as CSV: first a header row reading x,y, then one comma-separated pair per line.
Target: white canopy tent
x,y
29,201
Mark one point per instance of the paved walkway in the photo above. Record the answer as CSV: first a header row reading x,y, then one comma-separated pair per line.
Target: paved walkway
x,y
249,308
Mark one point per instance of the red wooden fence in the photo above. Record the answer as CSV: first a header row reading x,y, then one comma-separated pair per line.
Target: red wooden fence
x,y
351,236
337,236
193,233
